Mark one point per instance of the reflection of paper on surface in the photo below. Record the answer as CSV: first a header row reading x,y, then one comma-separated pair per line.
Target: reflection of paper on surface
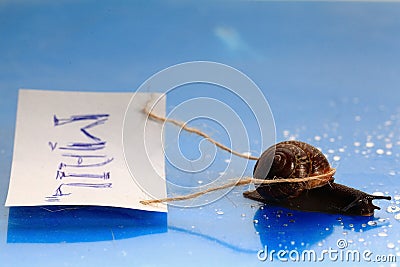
x,y
68,150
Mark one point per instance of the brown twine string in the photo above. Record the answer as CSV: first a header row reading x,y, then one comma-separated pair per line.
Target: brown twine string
x,y
198,132
242,181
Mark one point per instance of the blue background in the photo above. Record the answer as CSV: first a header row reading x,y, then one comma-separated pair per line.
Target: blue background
x,y
330,72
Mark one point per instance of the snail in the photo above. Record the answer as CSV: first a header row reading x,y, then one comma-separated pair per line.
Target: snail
x,y
297,160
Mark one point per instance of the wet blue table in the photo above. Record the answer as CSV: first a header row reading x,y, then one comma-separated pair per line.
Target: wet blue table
x,y
330,72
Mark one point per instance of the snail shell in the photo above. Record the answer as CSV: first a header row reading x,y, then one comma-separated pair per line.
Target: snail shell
x,y
296,160
291,159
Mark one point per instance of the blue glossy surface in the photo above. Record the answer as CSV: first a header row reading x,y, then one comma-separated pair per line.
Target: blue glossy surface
x,y
330,72
69,224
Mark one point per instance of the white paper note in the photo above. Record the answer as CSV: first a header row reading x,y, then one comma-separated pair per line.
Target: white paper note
x,y
68,150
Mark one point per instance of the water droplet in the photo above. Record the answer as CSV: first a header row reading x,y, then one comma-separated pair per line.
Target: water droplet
x,y
390,245
397,216
243,215
336,158
286,133
363,225
381,220
382,234
361,239
388,153
341,150
372,223
393,209
351,225
219,212
255,221
380,151
317,138
291,221
357,118
331,151
327,229
369,144
199,181
388,123
227,160
285,225
396,197
339,219
392,173
320,244
292,243
257,233
389,145
331,139
357,144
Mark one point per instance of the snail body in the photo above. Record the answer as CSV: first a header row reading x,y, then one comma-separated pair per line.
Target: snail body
x,y
297,160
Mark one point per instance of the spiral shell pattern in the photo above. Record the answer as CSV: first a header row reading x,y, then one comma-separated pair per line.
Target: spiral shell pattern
x,y
291,159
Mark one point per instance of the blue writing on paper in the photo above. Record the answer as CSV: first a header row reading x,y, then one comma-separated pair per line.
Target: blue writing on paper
x,y
80,165
98,119
59,190
73,171
84,146
52,145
